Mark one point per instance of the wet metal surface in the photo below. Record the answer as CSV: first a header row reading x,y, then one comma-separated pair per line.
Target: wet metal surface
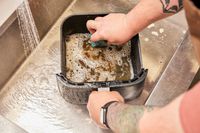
x,y
7,7
31,98
29,32
46,12
177,76
11,52
8,127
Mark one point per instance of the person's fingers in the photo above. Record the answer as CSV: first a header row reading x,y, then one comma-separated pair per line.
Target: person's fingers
x,y
121,99
92,94
115,43
90,98
96,37
118,96
98,18
92,25
88,105
110,43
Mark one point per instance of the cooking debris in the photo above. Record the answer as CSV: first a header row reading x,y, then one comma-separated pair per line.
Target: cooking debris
x,y
79,111
151,25
146,39
154,33
86,63
161,30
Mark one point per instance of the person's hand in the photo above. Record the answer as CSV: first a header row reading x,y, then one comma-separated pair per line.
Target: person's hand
x,y
114,28
99,99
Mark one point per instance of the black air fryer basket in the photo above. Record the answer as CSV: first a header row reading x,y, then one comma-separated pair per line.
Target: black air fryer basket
x,y
78,93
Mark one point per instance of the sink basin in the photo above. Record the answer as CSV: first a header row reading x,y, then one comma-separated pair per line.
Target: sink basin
x,y
31,99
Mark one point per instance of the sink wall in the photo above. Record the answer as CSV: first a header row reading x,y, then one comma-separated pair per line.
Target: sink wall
x,y
12,55
46,12
11,52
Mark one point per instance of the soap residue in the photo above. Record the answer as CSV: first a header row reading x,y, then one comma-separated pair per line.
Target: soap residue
x,y
87,64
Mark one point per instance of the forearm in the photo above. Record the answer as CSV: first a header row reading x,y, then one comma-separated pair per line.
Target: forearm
x,y
149,11
124,118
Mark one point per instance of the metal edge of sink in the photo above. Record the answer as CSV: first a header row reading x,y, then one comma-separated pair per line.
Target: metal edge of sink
x,y
182,61
8,127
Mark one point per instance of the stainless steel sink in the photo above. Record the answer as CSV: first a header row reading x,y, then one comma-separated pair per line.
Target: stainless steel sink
x,y
8,127
31,99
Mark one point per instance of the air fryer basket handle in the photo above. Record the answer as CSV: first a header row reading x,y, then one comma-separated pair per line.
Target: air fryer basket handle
x,y
104,89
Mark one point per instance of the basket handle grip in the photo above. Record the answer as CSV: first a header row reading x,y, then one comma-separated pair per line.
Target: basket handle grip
x,y
103,89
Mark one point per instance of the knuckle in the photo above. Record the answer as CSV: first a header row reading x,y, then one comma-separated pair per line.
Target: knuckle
x,y
88,22
98,18
102,33
99,24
